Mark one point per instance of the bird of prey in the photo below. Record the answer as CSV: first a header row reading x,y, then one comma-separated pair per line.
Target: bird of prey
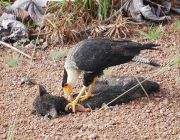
x,y
92,56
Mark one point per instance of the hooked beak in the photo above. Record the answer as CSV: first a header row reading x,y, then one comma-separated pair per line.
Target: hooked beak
x,y
67,92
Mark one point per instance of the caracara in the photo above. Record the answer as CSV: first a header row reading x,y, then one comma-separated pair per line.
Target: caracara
x,y
92,56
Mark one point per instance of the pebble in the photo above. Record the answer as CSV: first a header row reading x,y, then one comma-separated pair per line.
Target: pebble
x,y
165,101
93,136
1,83
107,114
57,137
148,111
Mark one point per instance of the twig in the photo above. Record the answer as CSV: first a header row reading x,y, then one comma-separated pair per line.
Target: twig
x,y
8,45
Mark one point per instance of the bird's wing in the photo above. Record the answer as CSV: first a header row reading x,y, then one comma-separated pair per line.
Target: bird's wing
x,y
100,53
91,54
130,48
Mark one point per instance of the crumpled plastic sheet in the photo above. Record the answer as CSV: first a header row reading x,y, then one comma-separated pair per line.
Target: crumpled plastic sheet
x,y
18,30
22,3
147,12
7,16
176,9
33,7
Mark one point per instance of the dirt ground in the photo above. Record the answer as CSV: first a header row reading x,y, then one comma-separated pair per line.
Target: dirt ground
x,y
155,118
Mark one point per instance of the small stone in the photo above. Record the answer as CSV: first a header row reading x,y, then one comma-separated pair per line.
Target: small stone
x,y
165,101
151,104
1,83
107,114
57,137
148,111
157,99
145,29
92,136
138,70
4,136
161,111
46,137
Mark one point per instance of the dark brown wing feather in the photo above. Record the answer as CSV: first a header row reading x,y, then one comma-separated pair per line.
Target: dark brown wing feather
x,y
96,54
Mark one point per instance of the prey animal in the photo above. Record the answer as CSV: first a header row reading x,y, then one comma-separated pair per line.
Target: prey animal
x,y
105,90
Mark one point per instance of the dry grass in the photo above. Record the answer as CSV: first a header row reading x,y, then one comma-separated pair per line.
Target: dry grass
x,y
119,28
67,23
63,26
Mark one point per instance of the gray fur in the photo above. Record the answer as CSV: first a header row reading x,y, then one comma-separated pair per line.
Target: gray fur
x,y
105,90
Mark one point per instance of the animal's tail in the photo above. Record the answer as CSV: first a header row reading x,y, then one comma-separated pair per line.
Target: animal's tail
x,y
144,60
149,46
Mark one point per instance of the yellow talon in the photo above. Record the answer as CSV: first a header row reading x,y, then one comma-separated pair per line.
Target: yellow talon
x,y
72,105
85,97
75,102
89,93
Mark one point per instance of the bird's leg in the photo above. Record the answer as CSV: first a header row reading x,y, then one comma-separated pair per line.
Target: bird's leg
x,y
75,102
89,93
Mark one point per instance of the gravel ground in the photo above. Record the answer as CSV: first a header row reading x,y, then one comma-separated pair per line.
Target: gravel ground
x,y
155,118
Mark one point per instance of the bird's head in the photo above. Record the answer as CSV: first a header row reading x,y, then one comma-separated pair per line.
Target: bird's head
x,y
69,79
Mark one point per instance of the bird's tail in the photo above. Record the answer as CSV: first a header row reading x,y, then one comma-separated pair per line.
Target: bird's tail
x,y
144,60
149,46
